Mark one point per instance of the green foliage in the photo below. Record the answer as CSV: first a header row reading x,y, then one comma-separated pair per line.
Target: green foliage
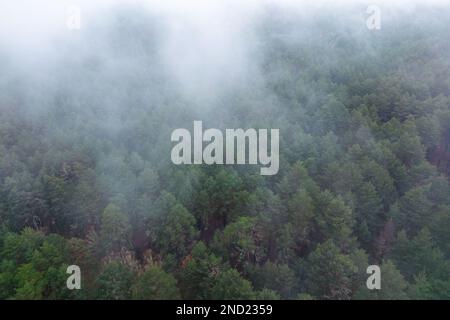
x,y
173,229
34,266
393,285
237,242
278,278
229,285
334,220
86,177
198,274
329,273
267,294
422,263
155,284
115,229
114,282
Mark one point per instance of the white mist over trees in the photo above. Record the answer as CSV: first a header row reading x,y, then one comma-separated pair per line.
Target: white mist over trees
x,y
86,176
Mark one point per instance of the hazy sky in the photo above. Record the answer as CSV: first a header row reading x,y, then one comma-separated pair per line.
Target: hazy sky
x,y
212,40
32,22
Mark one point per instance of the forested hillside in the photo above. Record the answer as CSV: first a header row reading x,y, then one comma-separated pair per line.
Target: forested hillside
x,y
364,116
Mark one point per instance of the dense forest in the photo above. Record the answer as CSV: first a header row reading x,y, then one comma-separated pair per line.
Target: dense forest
x,y
364,117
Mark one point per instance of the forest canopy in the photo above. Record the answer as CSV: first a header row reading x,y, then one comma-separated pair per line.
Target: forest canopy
x,y
86,176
